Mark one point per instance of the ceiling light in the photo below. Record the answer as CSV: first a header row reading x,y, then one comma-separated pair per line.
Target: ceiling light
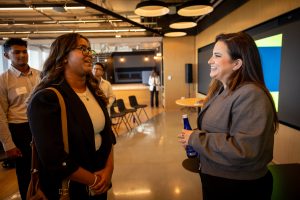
x,y
137,30
74,7
122,59
8,32
195,8
175,34
42,8
22,32
19,8
183,23
102,31
81,21
49,32
151,8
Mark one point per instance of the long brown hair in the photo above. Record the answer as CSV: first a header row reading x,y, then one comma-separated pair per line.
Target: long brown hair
x,y
242,46
54,66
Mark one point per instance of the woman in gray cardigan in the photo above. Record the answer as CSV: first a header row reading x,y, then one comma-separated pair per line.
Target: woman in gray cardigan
x,y
236,124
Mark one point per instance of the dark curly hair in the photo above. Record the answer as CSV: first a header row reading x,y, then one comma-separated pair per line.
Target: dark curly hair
x,y
13,41
54,66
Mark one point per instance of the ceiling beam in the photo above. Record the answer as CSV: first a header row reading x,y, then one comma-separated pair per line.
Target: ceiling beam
x,y
113,14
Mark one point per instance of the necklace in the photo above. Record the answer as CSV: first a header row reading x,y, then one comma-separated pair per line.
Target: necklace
x,y
83,95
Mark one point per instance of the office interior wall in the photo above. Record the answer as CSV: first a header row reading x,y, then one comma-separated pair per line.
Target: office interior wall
x,y
176,53
254,12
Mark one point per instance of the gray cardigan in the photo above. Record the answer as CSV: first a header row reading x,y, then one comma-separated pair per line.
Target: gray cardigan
x,y
236,135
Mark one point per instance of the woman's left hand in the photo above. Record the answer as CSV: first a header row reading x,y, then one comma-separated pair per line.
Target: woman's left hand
x,y
184,136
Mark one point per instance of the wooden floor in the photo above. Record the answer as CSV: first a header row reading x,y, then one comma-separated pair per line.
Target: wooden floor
x,y
8,180
8,183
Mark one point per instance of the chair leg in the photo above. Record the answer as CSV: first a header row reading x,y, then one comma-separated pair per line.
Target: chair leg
x,y
139,112
145,113
114,127
128,129
115,130
126,122
119,122
138,118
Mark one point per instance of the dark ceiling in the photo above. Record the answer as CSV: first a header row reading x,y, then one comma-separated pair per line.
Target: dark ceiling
x,y
100,18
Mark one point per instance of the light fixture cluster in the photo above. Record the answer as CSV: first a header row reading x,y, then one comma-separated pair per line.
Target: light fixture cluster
x,y
192,8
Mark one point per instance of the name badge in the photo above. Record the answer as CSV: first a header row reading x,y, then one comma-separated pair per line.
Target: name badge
x,y
21,90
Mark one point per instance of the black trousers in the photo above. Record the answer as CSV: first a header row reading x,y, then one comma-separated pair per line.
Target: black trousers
x,y
22,137
214,188
152,97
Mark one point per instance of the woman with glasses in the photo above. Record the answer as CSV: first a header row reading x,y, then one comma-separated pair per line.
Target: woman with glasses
x,y
89,163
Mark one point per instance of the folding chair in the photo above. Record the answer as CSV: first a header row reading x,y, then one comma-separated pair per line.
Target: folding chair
x,y
120,117
130,111
133,103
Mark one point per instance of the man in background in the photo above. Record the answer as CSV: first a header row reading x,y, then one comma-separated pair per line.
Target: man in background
x,y
98,71
16,85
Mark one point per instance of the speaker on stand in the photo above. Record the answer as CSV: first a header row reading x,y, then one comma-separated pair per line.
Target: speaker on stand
x,y
189,75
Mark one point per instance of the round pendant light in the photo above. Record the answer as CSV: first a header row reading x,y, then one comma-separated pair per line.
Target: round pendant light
x,y
175,34
151,9
195,8
183,24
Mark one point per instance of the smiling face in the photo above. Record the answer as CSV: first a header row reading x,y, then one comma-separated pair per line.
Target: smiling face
x,y
78,62
221,64
18,55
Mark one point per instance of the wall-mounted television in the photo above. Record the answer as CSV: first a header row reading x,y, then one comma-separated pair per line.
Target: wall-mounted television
x,y
278,42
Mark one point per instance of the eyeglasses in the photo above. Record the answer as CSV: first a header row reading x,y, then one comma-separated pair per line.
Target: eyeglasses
x,y
86,51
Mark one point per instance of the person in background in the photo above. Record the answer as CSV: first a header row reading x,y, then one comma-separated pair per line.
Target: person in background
x,y
89,163
236,125
154,84
105,86
16,84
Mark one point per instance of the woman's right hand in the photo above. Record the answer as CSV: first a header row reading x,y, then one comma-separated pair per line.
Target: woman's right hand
x,y
104,177
184,136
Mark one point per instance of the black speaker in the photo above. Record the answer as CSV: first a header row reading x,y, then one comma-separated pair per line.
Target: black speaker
x,y
188,73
